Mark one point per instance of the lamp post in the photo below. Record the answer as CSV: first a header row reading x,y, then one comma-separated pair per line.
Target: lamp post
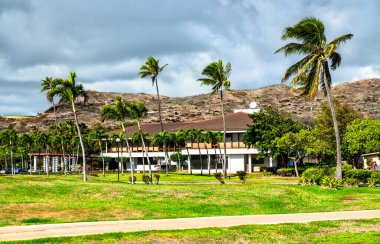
x,y
118,158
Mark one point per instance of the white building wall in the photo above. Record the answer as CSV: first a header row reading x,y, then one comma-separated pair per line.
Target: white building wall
x,y
235,163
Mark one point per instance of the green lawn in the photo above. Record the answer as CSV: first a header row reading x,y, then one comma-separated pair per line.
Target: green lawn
x,y
37,199
353,231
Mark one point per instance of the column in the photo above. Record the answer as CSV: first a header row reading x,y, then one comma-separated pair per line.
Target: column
x,y
35,164
47,163
189,165
209,163
249,163
270,161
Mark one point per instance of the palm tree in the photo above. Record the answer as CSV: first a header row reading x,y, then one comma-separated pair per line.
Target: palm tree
x,y
216,75
97,135
180,140
119,111
199,136
138,111
9,137
69,91
49,84
152,69
209,137
190,136
313,70
162,139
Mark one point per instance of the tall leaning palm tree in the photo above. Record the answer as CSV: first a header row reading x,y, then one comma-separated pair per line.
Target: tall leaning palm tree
x,y
119,111
48,85
69,91
152,69
313,70
137,112
216,75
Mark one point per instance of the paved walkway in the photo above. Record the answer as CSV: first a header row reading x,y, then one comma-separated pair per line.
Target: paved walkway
x,y
90,228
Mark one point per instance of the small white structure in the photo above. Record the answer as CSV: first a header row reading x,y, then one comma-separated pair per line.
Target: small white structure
x,y
253,108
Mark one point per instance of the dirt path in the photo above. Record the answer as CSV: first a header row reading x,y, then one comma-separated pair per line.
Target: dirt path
x,y
90,228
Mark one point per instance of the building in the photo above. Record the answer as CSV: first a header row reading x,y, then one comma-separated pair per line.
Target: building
x,y
201,156
371,157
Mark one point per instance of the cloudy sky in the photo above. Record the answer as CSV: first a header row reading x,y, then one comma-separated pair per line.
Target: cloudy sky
x,y
105,42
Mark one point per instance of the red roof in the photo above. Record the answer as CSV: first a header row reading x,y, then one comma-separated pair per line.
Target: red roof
x,y
234,122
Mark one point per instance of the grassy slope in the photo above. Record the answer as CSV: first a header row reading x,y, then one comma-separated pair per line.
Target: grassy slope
x,y
353,231
34,199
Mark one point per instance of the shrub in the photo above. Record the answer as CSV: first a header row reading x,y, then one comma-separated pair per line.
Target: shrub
x,y
312,176
351,182
374,179
267,173
242,174
157,177
219,177
267,169
330,182
134,179
361,175
345,168
146,179
285,172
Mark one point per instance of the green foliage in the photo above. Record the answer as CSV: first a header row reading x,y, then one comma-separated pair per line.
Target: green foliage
x,y
216,75
361,175
374,179
268,125
242,174
330,182
312,176
157,178
175,157
219,177
285,172
146,179
362,136
266,173
351,182
134,179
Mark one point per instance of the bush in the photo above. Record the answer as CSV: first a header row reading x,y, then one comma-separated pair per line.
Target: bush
x,y
267,169
219,177
157,177
374,179
312,176
267,173
330,182
134,179
146,179
361,175
242,174
351,182
285,172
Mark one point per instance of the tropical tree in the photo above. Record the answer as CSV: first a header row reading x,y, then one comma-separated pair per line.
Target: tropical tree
x,y
180,140
69,91
313,70
49,85
162,139
119,111
216,75
152,69
98,135
9,137
137,112
199,137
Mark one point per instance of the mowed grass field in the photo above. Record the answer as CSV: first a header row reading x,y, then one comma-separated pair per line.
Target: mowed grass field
x,y
38,199
346,231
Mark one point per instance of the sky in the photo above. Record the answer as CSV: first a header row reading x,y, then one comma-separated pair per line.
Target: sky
x,y
105,43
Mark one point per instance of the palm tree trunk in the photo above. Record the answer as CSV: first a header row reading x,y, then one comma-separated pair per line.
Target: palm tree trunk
x,y
81,142
55,112
224,136
129,152
167,160
208,161
216,163
146,153
200,158
101,152
338,173
189,161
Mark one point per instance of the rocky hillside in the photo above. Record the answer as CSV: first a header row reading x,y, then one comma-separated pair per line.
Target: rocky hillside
x,y
363,95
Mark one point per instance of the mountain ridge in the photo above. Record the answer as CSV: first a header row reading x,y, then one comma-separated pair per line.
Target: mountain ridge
x,y
363,95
